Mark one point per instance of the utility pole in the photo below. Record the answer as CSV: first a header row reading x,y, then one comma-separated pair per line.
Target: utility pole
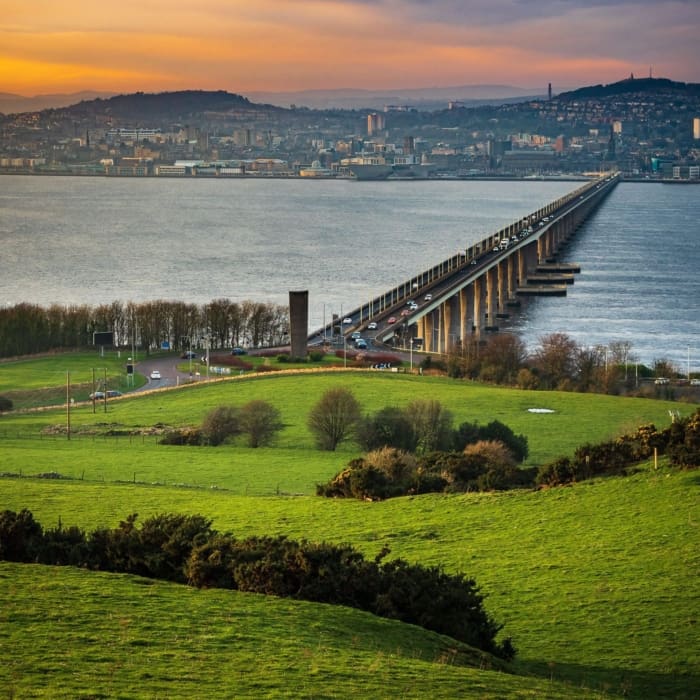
x,y
68,405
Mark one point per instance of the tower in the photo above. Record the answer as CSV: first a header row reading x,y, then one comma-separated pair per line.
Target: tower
x,y
549,91
298,322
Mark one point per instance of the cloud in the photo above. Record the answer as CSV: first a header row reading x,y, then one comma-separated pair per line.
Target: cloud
x,y
294,44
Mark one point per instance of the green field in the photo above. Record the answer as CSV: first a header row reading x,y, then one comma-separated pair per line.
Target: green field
x,y
596,583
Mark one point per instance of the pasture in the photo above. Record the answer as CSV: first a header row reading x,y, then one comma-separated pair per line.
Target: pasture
x,y
596,583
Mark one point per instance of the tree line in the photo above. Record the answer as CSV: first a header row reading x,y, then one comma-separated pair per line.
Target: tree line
x,y
557,362
27,329
186,549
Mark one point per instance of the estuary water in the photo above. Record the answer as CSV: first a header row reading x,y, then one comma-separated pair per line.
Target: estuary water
x,y
95,240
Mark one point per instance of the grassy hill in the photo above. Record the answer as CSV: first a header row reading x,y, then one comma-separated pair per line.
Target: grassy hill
x,y
596,583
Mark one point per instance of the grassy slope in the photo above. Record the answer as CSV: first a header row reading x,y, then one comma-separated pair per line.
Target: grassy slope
x,y
596,583
66,633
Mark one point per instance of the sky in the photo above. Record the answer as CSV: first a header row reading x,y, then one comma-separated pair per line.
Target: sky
x,y
243,46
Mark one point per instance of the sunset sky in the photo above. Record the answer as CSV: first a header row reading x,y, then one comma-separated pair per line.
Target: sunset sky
x,y
282,45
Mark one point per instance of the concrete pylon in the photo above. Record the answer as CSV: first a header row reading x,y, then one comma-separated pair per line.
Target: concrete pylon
x,y
299,322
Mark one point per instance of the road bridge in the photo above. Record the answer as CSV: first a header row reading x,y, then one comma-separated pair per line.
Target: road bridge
x,y
465,295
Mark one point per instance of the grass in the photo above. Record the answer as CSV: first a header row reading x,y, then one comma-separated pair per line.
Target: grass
x,y
42,381
127,637
577,418
596,583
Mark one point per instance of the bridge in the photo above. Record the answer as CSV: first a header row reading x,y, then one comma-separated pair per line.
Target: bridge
x,y
468,293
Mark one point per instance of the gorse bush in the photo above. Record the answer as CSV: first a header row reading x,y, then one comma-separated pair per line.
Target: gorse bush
x,y
680,441
185,549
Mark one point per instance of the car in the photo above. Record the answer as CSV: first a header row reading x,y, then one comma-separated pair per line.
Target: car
x,y
428,297
695,382
347,321
405,312
97,395
662,380
372,326
155,374
112,393
361,344
392,319
189,355
238,351
355,335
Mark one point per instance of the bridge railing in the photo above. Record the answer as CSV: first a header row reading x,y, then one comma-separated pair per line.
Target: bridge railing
x,y
398,295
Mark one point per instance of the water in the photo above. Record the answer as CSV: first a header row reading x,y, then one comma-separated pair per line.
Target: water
x,y
93,240
640,279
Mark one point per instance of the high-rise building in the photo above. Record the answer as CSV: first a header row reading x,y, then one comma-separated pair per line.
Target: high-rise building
x,y
375,123
696,128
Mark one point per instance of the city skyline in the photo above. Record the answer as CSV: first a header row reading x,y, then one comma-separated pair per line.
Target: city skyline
x,y
279,45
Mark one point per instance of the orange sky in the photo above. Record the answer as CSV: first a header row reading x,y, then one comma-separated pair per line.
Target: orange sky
x,y
281,45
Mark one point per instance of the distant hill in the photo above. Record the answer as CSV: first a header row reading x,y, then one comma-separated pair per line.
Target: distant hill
x,y
167,105
632,85
432,98
14,104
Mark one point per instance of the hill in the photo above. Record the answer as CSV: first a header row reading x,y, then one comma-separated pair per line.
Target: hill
x,y
166,105
633,86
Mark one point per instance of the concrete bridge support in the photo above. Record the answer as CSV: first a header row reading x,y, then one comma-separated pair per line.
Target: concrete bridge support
x,y
464,318
491,301
502,286
478,305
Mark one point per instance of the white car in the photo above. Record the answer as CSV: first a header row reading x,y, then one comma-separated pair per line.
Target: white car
x,y
372,326
347,321
155,374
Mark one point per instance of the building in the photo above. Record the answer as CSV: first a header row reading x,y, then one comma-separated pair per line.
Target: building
x,y
375,123
696,128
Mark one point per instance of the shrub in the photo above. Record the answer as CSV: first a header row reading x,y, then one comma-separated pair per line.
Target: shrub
x,y
469,433
219,424
184,548
19,535
187,435
5,404
259,421
388,427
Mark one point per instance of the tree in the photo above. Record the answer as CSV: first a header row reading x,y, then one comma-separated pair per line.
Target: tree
x,y
431,424
259,421
334,418
388,427
556,359
502,358
220,423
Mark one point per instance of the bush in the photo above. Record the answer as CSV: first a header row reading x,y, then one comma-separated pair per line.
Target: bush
x,y
389,427
187,435
5,404
220,424
470,433
20,536
184,548
259,421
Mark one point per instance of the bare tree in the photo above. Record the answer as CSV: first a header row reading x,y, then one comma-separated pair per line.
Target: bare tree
x,y
556,359
334,418
259,421
502,358
431,423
